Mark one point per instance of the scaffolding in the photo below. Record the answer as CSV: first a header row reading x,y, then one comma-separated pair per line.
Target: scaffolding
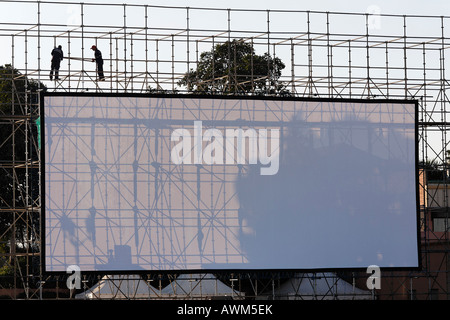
x,y
326,55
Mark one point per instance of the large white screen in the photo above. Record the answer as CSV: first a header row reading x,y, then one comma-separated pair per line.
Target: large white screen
x,y
161,183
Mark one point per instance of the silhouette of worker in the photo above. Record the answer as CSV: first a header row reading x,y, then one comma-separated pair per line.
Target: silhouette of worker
x,y
57,57
99,61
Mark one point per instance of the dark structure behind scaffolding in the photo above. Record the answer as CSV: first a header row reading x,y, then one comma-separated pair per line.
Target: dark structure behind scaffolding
x,y
327,55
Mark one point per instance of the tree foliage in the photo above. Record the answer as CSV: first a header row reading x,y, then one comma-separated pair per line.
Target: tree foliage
x,y
233,67
17,91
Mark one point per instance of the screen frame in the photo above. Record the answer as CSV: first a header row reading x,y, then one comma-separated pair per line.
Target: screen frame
x,y
42,106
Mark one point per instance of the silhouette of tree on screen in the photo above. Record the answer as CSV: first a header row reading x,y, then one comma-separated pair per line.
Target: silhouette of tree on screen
x,y
17,95
233,67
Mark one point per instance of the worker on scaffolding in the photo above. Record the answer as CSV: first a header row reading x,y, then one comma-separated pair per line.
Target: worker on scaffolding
x,y
99,61
57,57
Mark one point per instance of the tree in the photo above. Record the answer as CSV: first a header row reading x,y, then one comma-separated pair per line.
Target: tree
x,y
434,170
234,68
13,89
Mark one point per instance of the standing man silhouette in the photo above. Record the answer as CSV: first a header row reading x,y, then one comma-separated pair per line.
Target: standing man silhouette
x,y
57,57
99,61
